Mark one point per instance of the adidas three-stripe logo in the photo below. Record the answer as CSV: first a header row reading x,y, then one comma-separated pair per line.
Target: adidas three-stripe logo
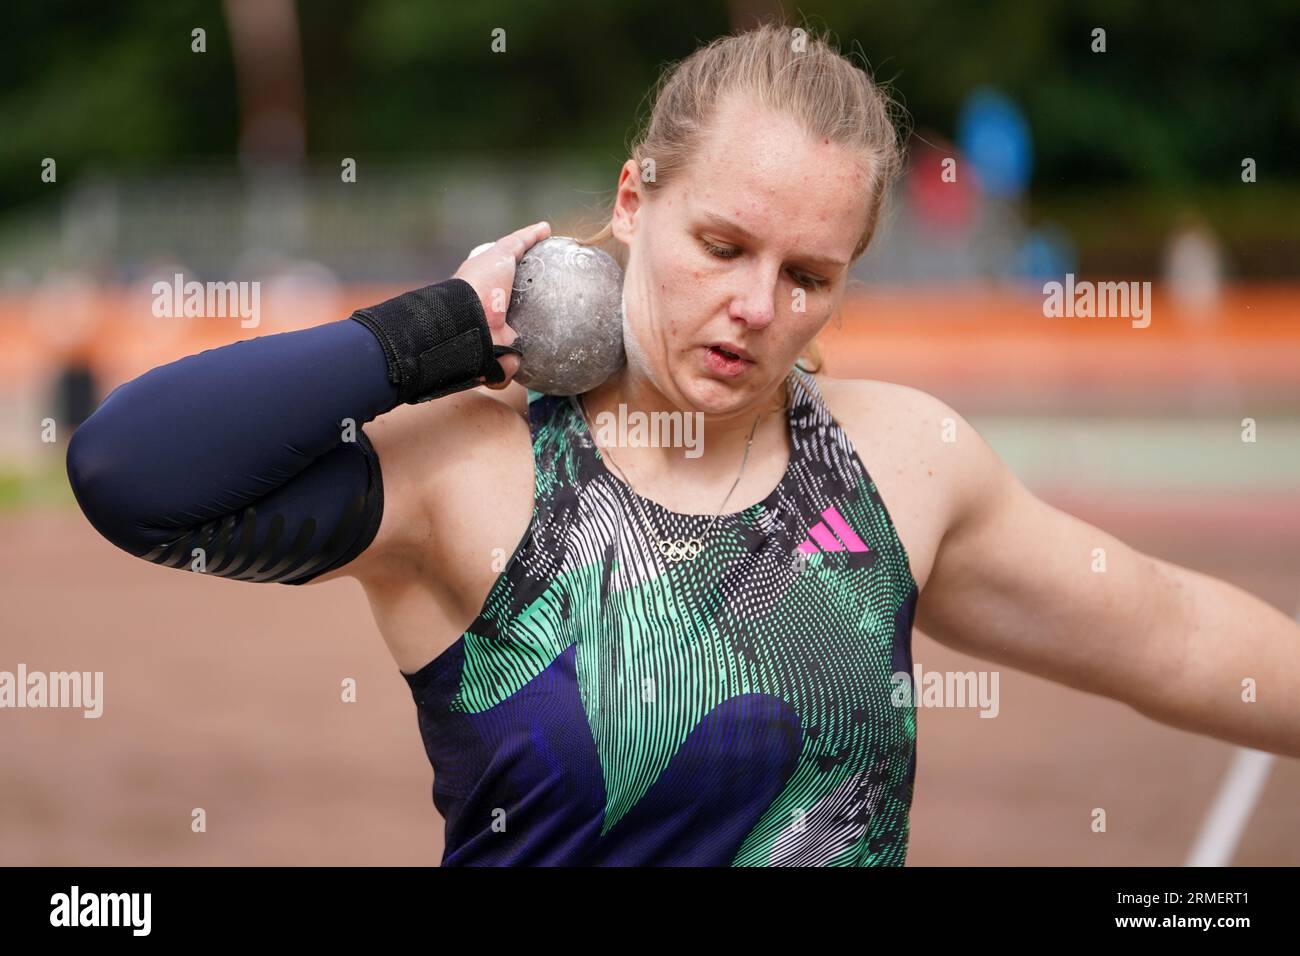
x,y
820,537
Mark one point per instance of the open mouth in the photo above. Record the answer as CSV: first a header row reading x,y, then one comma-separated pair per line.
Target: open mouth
x,y
725,362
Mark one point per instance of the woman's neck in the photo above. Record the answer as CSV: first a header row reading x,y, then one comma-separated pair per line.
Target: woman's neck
x,y
680,445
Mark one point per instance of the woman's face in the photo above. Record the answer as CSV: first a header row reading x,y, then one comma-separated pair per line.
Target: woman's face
x,y
748,247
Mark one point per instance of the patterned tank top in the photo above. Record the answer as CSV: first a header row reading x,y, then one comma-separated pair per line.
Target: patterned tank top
x,y
609,706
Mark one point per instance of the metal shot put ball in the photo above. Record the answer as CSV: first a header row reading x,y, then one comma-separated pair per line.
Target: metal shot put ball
x,y
567,306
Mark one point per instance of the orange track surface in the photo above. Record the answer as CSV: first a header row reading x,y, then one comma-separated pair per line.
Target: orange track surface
x,y
969,340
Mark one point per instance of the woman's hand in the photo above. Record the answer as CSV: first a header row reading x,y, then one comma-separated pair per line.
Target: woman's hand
x,y
490,269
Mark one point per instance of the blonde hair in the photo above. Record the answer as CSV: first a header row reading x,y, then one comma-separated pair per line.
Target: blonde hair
x,y
788,69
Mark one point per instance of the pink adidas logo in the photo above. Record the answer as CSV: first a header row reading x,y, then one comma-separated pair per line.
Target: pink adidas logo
x,y
821,534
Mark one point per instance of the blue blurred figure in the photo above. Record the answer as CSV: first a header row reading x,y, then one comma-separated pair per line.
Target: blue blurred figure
x,y
994,136
1045,255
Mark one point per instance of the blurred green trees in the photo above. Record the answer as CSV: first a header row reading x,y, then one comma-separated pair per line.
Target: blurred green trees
x,y
1183,92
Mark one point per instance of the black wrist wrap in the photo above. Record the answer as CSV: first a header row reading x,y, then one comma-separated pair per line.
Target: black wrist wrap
x,y
436,340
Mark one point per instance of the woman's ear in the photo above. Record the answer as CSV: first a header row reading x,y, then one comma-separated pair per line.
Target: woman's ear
x,y
627,202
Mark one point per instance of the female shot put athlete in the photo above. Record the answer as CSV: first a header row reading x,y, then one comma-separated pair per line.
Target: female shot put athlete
x,y
673,659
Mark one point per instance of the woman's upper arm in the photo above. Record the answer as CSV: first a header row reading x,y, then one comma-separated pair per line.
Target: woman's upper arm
x,y
418,447
1022,583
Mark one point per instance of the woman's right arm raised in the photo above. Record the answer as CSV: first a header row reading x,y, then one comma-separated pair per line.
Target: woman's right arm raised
x,y
250,462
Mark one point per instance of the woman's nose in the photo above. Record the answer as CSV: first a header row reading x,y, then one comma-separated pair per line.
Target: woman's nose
x,y
755,301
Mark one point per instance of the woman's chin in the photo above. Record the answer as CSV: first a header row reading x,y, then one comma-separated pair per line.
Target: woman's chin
x,y
712,396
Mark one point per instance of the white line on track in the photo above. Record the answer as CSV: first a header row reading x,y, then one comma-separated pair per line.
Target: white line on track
x,y
1225,822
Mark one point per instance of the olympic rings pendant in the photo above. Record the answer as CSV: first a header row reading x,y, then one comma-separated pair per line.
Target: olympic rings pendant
x,y
680,549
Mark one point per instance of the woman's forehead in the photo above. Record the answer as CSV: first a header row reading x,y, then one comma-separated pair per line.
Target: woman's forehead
x,y
802,194
747,136
758,162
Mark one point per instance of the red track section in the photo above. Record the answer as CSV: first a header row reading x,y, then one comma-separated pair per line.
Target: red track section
x,y
991,345
997,347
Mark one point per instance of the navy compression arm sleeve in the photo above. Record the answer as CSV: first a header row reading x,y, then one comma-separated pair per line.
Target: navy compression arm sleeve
x,y
236,457
238,451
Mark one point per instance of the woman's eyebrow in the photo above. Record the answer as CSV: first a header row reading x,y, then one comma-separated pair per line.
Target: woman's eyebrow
x,y
722,222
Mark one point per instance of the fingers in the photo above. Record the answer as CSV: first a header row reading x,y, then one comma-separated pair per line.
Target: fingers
x,y
519,241
531,234
492,277
510,365
515,244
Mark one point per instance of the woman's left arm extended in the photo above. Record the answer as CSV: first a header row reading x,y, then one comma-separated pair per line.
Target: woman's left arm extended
x,y
1018,582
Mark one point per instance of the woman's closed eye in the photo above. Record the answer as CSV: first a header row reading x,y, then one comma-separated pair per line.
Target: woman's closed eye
x,y
800,278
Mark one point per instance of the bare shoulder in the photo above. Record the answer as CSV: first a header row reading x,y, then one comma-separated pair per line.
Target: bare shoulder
x,y
869,395
458,485
920,452
513,395
441,463
916,432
